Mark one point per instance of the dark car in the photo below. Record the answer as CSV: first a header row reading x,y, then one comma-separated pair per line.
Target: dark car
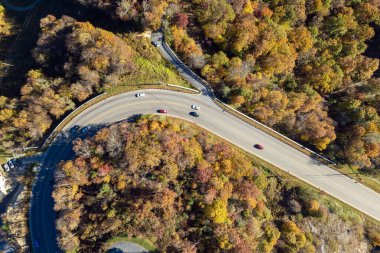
x,y
195,114
84,130
258,146
36,243
140,95
162,111
74,129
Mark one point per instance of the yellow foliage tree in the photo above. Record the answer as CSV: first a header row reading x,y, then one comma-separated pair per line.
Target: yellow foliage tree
x,y
217,211
5,26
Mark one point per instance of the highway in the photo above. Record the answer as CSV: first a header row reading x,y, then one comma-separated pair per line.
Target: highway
x,y
212,118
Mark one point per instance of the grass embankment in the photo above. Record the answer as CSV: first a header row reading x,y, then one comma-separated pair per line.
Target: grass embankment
x,y
3,157
153,72
151,67
137,240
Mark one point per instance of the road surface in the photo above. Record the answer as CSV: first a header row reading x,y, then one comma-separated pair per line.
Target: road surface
x,y
212,118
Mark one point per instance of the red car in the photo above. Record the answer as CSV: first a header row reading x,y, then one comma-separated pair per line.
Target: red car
x,y
162,111
258,146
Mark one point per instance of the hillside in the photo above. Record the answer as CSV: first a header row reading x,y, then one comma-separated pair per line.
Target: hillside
x,y
301,67
186,190
75,62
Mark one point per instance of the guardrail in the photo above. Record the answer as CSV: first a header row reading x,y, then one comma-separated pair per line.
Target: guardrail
x,y
181,87
265,128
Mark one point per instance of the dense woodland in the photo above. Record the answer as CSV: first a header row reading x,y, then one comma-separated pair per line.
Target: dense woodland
x,y
298,66
76,61
185,190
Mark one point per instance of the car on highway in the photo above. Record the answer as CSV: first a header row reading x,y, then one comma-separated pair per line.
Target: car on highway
x,y
140,95
36,169
155,43
258,146
162,111
6,167
195,107
11,164
36,243
195,114
74,129
84,130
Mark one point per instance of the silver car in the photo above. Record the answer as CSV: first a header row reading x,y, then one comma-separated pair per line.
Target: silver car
x,y
11,164
195,107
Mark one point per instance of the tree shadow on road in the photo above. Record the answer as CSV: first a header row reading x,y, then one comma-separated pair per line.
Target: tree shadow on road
x,y
115,251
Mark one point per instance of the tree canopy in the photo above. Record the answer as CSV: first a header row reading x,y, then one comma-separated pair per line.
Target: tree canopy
x,y
75,61
282,62
5,23
186,190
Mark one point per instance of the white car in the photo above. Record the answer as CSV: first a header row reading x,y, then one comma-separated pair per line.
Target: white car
x,y
195,107
6,167
140,95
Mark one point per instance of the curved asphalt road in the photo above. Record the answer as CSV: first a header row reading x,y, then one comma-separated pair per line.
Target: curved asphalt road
x,y
120,107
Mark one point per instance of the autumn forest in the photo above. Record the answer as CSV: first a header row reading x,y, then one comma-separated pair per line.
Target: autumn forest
x,y
301,67
187,191
307,68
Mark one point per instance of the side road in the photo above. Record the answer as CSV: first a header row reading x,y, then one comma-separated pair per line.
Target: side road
x,y
158,39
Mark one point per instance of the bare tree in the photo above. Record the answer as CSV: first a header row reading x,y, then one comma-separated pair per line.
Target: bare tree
x,y
82,148
196,61
114,143
124,6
